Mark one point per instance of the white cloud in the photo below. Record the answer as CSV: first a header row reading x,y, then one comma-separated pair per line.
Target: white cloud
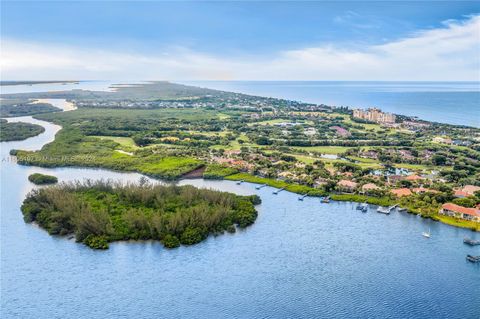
x,y
448,53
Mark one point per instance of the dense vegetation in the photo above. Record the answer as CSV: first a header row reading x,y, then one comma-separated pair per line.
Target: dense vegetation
x,y
101,212
42,179
17,131
21,107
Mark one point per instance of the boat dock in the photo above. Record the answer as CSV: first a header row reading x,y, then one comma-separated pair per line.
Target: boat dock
x,y
386,210
302,197
239,182
261,186
326,199
278,191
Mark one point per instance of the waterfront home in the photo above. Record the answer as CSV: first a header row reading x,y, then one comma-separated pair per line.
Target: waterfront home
x,y
370,187
453,210
467,190
400,192
413,178
346,185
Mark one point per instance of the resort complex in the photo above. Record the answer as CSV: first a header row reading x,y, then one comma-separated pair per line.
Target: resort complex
x,y
374,115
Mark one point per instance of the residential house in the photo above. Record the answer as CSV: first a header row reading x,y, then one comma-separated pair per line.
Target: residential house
x,y
346,185
413,178
467,190
453,210
400,192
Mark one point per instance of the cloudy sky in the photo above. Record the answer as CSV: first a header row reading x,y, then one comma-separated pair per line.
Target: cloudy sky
x,y
240,40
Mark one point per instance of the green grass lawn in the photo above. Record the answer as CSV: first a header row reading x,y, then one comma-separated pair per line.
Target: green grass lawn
x,y
458,222
123,141
276,121
294,188
323,149
130,114
420,167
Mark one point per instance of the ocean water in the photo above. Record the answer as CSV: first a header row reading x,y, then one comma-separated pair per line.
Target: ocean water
x,y
301,259
444,102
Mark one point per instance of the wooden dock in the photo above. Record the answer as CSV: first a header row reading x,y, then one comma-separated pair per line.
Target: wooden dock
x,y
261,186
278,191
302,197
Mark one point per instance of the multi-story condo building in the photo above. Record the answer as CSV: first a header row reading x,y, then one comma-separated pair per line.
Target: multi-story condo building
x,y
374,115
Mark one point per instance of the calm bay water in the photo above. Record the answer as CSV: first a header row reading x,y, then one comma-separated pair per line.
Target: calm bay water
x,y
299,260
445,102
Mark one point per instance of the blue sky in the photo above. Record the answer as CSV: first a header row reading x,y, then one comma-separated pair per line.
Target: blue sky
x,y
170,39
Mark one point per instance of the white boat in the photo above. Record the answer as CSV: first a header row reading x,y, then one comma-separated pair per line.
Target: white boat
x,y
426,234
383,210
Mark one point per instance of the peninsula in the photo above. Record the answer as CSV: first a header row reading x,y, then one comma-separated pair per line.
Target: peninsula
x,y
169,131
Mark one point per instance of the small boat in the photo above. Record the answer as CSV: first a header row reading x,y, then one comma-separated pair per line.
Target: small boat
x,y
326,199
471,242
363,207
426,234
302,197
402,210
473,259
239,182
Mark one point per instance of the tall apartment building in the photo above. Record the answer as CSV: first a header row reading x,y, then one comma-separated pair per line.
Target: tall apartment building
x,y
374,115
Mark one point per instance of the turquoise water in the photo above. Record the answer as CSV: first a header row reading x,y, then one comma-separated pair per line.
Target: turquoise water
x,y
445,102
301,259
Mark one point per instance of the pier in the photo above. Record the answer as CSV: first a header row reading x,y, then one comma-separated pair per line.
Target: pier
x,y
386,210
278,191
261,186
302,197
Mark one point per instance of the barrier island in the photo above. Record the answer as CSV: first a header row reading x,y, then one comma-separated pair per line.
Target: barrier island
x,y
100,212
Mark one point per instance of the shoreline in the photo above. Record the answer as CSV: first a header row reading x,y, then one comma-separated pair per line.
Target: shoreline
x,y
295,189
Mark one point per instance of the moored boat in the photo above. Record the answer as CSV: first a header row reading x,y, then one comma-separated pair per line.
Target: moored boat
x,y
471,242
473,259
363,207
427,234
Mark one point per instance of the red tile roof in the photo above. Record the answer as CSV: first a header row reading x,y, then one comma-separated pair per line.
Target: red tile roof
x,y
370,186
346,183
460,193
399,192
460,209
470,189
413,178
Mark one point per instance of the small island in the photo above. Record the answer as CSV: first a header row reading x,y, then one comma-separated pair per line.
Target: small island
x,y
101,212
42,179
18,131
